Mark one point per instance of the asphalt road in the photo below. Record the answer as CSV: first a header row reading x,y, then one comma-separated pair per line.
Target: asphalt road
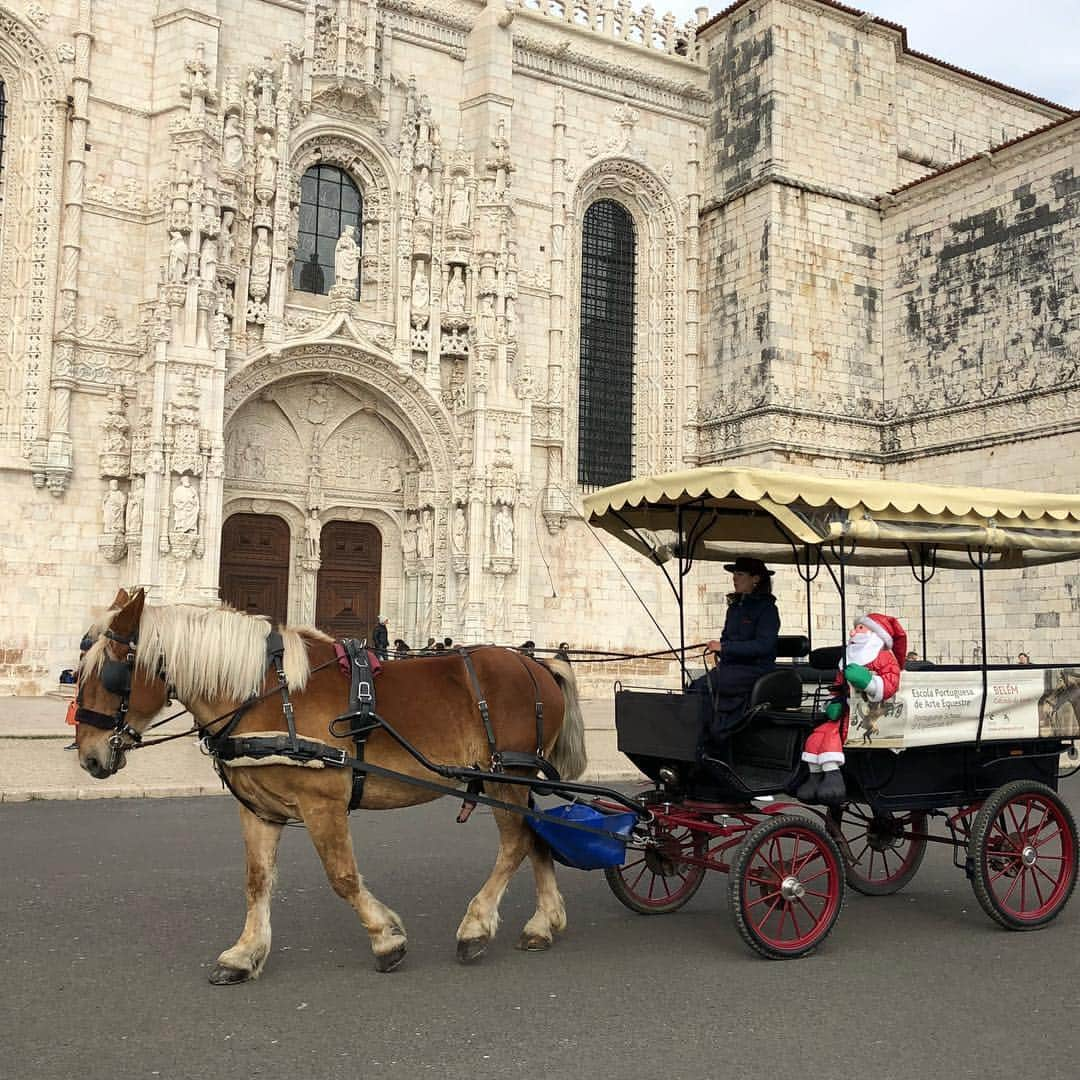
x,y
113,912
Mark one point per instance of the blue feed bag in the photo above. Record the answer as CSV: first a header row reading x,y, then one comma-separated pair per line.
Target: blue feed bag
x,y
584,850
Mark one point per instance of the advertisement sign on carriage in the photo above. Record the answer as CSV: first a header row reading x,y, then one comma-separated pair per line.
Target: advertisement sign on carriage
x,y
939,707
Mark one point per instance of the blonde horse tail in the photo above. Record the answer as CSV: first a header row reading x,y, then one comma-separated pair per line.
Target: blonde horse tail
x,y
568,754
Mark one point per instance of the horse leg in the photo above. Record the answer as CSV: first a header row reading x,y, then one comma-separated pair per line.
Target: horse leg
x,y
550,914
328,828
245,959
482,915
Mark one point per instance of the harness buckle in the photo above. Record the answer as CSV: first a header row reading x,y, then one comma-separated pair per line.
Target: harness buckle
x,y
340,757
363,691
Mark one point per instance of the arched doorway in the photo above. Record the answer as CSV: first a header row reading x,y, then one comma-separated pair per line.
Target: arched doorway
x,y
347,603
255,565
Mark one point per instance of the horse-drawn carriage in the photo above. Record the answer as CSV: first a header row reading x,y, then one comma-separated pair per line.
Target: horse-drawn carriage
x,y
975,747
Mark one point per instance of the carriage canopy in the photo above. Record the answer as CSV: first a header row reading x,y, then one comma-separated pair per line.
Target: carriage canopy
x,y
717,513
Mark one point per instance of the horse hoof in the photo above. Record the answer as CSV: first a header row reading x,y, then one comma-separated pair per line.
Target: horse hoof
x,y
389,961
471,949
533,943
228,976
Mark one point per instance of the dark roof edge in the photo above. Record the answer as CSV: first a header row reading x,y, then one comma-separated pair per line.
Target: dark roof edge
x,y
902,31
987,153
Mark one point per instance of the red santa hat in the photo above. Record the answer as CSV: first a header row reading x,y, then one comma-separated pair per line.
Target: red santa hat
x,y
890,631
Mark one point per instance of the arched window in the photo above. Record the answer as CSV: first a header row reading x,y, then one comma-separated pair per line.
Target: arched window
x,y
329,203
3,118
606,382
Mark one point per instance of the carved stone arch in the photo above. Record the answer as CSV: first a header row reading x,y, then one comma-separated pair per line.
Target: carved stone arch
x,y
29,235
367,163
657,407
423,418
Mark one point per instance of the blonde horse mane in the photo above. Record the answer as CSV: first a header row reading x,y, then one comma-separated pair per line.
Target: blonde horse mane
x,y
211,654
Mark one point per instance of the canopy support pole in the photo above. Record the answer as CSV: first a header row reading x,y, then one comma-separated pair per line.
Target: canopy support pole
x,y
927,559
808,573
980,558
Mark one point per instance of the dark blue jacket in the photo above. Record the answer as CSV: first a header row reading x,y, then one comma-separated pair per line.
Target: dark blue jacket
x,y
750,632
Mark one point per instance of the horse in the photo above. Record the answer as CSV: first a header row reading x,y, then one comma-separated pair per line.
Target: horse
x,y
213,660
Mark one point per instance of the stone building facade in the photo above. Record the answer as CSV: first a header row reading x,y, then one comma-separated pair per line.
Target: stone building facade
x,y
292,296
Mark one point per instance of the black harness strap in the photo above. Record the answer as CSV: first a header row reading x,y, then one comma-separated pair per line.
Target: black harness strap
x,y
482,705
275,650
359,720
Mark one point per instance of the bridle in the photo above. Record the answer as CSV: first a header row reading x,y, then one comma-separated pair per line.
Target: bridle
x,y
115,677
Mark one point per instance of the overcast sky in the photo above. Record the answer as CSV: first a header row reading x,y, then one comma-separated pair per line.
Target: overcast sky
x,y
1033,45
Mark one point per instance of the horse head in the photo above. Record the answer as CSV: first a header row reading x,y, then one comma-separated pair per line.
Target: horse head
x,y
117,697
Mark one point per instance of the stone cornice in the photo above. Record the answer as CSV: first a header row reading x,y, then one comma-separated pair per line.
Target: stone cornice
x,y
783,180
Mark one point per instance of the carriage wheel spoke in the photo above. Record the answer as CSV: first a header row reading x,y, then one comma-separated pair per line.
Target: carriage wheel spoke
x,y
765,918
762,899
1035,886
803,904
794,921
1053,881
820,873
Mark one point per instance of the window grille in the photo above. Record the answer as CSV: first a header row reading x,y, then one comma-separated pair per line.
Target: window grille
x,y
329,203
3,119
606,381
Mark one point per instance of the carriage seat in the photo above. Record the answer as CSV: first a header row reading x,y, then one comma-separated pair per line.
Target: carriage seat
x,y
782,687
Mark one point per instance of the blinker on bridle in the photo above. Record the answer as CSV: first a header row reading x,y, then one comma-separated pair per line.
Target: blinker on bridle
x,y
115,678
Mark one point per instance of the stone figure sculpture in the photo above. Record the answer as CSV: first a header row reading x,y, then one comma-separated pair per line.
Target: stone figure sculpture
x,y
185,506
178,256
408,536
425,195
455,291
460,534
459,204
424,536
313,534
421,287
346,259
225,241
133,524
113,505
504,531
233,138
208,260
267,166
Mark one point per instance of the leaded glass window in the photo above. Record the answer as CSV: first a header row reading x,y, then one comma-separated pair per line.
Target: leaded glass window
x,y
329,203
3,120
606,382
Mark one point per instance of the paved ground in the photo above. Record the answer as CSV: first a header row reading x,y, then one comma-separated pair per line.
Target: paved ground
x,y
114,910
34,765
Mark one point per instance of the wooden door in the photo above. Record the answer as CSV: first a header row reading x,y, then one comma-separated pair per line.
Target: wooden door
x,y
349,579
255,565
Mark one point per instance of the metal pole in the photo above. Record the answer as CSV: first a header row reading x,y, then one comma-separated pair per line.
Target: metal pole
x,y
683,569
979,562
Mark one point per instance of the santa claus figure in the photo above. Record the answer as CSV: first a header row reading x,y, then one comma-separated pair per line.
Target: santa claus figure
x,y
873,660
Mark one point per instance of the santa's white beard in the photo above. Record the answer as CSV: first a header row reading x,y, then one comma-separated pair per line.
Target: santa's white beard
x,y
862,648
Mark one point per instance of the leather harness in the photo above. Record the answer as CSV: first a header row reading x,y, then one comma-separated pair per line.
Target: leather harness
x,y
359,720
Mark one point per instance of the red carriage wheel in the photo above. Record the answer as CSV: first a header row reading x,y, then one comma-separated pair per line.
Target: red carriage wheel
x,y
884,854
786,887
658,879
1022,855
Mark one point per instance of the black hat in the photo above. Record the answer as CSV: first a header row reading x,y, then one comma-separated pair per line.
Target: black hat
x,y
749,566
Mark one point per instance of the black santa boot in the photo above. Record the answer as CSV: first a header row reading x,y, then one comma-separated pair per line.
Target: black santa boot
x,y
832,791
807,791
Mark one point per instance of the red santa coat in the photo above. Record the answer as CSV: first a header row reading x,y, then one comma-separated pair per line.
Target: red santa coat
x,y
826,742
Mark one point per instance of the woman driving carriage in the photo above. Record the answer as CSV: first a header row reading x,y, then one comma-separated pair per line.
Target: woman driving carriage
x,y
745,650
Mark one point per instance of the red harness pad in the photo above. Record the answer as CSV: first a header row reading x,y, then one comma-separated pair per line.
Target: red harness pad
x,y
345,664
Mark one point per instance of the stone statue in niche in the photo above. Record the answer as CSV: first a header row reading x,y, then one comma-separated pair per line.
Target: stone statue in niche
x,y
425,194
487,318
503,528
133,522
421,287
424,536
208,260
460,534
178,257
408,536
185,507
261,256
233,138
113,506
455,291
266,170
459,204
312,534
225,250
346,260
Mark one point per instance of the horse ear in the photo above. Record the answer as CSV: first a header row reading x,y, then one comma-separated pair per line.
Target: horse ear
x,y
120,600
127,622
